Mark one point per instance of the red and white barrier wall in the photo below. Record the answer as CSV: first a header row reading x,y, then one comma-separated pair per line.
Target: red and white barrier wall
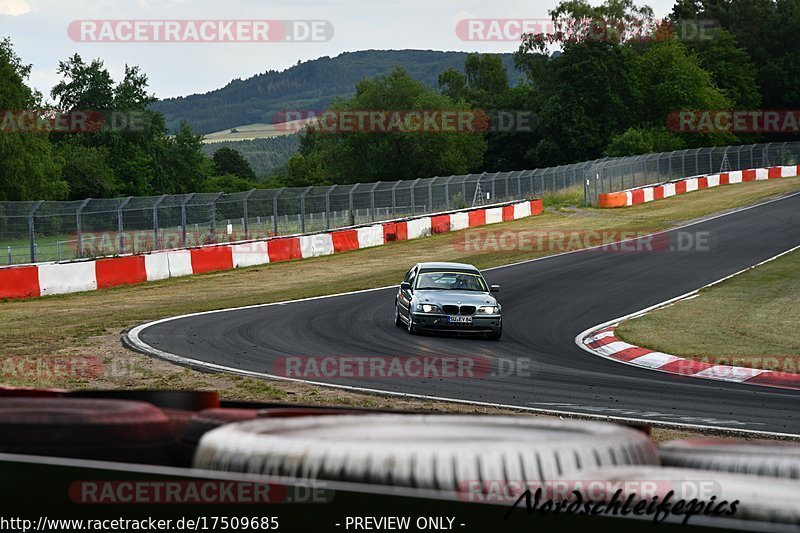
x,y
650,193
46,279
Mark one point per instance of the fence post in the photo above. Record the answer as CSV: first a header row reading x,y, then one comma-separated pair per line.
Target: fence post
x,y
184,203
430,194
328,206
532,183
121,225
394,196
155,221
414,186
78,225
31,233
303,209
275,210
244,211
351,205
212,229
372,201
447,191
683,164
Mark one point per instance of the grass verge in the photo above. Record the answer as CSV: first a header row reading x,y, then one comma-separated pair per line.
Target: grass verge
x,y
751,320
75,326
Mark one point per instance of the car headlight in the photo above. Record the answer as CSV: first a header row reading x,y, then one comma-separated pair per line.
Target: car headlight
x,y
428,308
489,309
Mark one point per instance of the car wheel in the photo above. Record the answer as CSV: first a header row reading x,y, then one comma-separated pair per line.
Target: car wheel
x,y
410,326
397,320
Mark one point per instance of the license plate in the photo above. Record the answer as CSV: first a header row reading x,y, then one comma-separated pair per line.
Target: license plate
x,y
460,320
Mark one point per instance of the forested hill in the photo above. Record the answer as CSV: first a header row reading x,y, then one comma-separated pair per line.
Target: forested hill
x,y
309,85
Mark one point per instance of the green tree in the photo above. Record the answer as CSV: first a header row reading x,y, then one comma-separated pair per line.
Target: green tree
x,y
483,81
87,171
350,157
227,183
29,168
636,141
84,86
731,68
669,78
591,98
230,161
184,166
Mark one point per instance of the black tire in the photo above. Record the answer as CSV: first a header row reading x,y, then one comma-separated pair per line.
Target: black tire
x,y
495,336
165,399
111,430
397,320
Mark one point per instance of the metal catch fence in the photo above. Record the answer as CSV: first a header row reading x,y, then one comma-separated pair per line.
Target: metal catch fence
x,y
54,231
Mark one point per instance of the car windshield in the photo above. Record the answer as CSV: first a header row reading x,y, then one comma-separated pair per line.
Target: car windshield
x,y
453,281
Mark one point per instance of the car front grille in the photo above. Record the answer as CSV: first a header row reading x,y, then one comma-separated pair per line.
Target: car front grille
x,y
454,309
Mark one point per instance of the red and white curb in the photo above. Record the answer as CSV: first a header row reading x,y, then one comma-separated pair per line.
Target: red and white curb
x,y
605,343
602,340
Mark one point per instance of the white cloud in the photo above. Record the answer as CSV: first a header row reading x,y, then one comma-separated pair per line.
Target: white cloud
x,y
14,8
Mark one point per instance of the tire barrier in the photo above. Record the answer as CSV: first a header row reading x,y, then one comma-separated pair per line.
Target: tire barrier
x,y
209,419
24,392
758,458
165,399
111,430
437,452
765,500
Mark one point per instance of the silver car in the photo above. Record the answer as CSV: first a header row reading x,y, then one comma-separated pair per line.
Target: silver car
x,y
448,297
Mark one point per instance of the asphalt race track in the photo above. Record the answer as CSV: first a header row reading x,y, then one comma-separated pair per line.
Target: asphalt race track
x,y
546,303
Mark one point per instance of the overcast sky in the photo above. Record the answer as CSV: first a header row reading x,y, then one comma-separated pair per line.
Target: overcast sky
x,y
39,32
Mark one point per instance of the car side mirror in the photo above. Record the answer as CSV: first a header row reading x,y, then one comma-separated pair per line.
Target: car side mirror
x,y
494,288
405,286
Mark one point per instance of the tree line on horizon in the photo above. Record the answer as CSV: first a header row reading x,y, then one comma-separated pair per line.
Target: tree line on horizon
x,y
598,97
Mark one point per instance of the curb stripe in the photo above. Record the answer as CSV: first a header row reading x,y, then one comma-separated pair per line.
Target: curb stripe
x,y
609,344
